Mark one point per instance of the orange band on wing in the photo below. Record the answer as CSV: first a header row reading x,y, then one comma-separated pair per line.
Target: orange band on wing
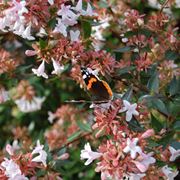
x,y
90,83
107,87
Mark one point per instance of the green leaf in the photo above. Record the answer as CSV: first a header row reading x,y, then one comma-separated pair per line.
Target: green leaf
x,y
125,70
123,49
174,86
128,94
166,139
43,44
86,29
103,4
156,125
171,55
153,83
74,136
159,105
84,127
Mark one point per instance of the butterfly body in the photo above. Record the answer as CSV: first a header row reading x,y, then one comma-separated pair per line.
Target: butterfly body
x,y
99,89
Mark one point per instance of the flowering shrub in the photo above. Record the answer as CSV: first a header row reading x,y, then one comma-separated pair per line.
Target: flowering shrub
x,y
51,128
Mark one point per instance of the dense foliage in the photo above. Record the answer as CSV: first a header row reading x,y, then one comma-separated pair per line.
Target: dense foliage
x,y
50,126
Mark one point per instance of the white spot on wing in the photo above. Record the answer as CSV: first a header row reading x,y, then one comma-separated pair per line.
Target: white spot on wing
x,y
84,76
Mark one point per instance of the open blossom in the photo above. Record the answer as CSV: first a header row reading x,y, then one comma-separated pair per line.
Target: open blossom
x,y
4,96
14,20
169,173
60,28
12,170
12,148
132,147
174,153
145,161
40,70
51,117
130,110
57,68
74,35
41,32
88,154
51,2
27,33
42,157
29,105
132,176
67,15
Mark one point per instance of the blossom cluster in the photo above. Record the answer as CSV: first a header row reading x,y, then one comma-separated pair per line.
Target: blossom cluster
x,y
134,46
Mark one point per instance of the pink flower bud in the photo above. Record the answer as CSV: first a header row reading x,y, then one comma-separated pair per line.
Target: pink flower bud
x,y
64,156
148,133
10,149
30,53
115,163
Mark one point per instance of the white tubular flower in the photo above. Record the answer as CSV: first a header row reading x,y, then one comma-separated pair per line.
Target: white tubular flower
x,y
174,153
88,154
132,147
29,106
130,110
57,68
133,176
51,2
169,173
4,95
40,71
41,32
89,11
42,157
27,33
60,28
74,35
145,162
51,117
12,170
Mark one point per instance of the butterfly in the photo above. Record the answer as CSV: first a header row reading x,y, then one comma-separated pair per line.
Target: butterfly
x,y
99,90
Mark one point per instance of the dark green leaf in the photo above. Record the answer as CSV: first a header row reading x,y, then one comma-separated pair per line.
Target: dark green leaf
x,y
174,86
171,55
125,70
153,83
128,94
159,105
86,29
166,139
123,49
156,125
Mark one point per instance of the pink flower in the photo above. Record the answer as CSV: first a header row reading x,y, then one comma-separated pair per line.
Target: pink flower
x,y
64,156
30,53
88,154
9,149
144,163
132,147
130,110
148,133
